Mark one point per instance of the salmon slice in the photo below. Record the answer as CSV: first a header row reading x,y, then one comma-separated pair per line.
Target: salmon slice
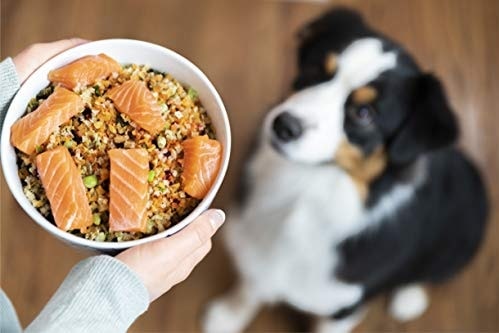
x,y
84,71
64,187
128,189
35,128
202,157
135,100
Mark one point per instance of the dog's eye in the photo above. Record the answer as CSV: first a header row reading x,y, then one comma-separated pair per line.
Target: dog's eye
x,y
362,114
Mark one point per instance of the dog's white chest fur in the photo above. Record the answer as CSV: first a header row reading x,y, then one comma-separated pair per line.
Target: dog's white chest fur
x,y
284,244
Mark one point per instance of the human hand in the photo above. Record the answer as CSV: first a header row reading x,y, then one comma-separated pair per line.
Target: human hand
x,y
164,263
36,54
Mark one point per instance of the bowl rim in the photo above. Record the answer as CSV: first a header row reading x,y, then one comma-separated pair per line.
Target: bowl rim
x,y
34,214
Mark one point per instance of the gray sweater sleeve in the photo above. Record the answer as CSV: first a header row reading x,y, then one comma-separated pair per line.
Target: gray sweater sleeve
x,y
9,84
8,318
101,294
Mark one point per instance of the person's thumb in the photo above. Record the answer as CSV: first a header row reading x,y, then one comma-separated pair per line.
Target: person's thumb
x,y
36,54
51,49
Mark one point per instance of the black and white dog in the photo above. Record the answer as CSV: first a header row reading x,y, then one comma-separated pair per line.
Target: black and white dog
x,y
355,188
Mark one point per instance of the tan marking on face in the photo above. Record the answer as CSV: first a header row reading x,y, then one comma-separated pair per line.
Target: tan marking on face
x,y
331,63
364,95
363,169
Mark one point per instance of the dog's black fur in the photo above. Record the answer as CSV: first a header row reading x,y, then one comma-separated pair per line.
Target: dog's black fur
x,y
440,229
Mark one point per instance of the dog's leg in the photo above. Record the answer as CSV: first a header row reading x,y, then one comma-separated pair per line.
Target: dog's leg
x,y
408,302
343,325
232,312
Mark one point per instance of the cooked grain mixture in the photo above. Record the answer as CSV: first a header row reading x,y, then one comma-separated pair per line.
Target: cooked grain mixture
x,y
100,127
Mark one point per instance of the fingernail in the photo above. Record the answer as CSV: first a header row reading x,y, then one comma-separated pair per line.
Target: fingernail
x,y
217,217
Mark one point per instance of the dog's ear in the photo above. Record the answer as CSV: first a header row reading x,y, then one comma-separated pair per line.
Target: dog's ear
x,y
339,21
323,38
429,124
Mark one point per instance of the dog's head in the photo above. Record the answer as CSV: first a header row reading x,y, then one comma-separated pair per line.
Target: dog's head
x,y
360,101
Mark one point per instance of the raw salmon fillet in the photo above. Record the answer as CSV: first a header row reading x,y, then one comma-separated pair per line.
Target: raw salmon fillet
x,y
64,187
84,71
202,157
35,128
128,189
134,99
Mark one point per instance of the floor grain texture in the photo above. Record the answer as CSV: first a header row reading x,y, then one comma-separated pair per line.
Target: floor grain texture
x,y
247,48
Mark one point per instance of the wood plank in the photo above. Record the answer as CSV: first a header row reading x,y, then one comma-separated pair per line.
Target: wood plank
x,y
247,48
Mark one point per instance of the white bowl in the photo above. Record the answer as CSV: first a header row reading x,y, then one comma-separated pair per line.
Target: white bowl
x,y
124,51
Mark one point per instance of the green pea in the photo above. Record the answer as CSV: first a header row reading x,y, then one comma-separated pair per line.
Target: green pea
x,y
150,176
69,144
96,218
90,181
100,237
150,226
193,94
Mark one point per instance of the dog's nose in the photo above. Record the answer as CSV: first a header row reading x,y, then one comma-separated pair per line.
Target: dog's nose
x,y
287,127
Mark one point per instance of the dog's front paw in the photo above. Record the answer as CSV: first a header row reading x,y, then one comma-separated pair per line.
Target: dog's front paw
x,y
222,317
408,303
231,312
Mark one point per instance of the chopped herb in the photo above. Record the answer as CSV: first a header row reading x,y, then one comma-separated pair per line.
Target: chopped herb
x,y
45,92
38,149
193,94
33,104
97,90
150,176
90,181
150,70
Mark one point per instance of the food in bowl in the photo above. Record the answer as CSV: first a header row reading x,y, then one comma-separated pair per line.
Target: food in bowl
x,y
115,153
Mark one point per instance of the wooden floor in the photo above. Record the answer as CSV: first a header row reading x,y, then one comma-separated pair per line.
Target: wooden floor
x,y
247,48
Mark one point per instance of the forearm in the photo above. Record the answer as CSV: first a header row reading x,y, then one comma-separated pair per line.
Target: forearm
x,y
9,84
100,294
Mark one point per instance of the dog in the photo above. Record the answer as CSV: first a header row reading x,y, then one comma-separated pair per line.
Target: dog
x,y
355,188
